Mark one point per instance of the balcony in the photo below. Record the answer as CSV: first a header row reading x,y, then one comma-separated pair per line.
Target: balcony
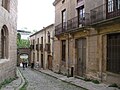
x,y
31,47
72,24
41,47
105,12
47,47
37,47
59,29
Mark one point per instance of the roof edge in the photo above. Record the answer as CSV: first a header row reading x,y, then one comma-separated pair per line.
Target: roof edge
x,y
41,30
55,2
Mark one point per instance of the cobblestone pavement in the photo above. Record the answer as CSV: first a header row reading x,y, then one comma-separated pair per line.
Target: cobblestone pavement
x,y
39,81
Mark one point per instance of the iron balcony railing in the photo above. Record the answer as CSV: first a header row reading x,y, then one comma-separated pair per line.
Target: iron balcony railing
x,y
61,28
31,47
41,47
106,11
47,47
72,24
37,47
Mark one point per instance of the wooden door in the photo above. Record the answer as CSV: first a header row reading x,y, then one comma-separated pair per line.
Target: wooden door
x,y
50,62
81,57
41,60
113,53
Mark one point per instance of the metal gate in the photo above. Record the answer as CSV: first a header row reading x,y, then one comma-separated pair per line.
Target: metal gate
x,y
81,56
113,53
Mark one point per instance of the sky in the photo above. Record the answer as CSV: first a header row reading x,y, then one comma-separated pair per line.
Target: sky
x,y
35,14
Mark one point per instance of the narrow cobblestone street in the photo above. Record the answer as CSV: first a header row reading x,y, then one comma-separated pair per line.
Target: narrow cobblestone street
x,y
39,81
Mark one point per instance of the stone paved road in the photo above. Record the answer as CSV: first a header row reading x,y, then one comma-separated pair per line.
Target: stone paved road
x,y
39,81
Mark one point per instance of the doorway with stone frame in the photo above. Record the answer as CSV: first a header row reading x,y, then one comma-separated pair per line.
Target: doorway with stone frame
x,y
81,57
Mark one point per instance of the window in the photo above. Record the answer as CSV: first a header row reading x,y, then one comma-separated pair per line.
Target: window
x,y
33,44
110,5
63,50
48,37
37,56
79,1
118,4
113,5
5,4
37,40
63,1
4,42
64,19
81,14
41,40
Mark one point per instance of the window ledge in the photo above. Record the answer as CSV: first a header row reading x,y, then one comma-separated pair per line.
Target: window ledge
x,y
3,60
80,4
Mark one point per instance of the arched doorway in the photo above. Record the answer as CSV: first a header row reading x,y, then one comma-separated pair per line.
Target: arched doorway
x,y
4,42
23,54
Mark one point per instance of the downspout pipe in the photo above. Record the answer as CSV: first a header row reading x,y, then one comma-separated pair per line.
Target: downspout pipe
x,y
68,58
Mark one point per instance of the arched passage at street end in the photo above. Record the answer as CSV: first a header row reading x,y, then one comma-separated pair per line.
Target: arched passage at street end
x,y
23,53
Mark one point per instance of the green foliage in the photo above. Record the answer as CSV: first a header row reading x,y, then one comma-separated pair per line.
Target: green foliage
x,y
96,81
114,85
23,43
18,36
87,79
91,80
6,81
24,87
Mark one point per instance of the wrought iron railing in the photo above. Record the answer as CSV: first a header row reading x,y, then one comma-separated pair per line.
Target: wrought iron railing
x,y
47,47
41,47
74,23
60,28
31,47
37,47
106,11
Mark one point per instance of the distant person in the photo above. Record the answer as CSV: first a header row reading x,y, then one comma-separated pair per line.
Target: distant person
x,y
26,64
32,65
23,64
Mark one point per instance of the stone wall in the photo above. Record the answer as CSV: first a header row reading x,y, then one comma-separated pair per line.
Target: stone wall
x,y
42,33
9,19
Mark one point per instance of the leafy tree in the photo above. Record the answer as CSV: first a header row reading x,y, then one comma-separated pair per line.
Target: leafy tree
x,y
22,43
19,36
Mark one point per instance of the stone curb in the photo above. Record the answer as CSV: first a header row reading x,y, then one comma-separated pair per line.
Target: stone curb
x,y
22,80
62,80
76,84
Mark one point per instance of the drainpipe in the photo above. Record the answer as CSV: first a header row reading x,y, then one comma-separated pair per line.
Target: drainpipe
x,y
52,48
68,56
44,60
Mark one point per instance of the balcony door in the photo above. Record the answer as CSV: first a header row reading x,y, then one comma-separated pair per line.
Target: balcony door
x,y
81,16
64,20
113,8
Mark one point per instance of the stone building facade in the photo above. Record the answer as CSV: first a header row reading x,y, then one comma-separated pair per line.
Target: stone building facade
x,y
41,44
86,42
8,48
